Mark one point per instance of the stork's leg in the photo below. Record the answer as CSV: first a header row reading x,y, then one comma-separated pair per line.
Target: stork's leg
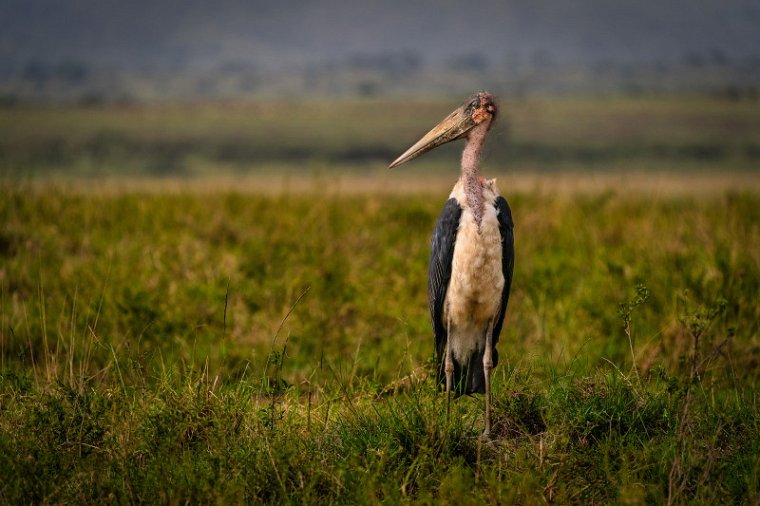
x,y
449,368
487,366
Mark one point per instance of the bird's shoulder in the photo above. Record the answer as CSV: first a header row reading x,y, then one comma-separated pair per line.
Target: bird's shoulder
x,y
490,191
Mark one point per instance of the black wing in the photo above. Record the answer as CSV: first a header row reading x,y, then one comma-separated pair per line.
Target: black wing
x,y
441,256
506,228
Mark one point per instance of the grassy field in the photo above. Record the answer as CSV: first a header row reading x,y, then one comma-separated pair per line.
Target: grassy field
x,y
265,338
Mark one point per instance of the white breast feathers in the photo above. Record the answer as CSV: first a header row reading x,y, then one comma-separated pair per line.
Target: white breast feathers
x,y
473,298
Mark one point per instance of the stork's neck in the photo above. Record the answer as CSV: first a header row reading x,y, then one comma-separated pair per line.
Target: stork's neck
x,y
473,188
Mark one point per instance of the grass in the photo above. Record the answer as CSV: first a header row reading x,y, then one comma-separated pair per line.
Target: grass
x,y
259,332
221,345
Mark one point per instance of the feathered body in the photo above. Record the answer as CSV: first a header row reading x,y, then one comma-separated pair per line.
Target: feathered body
x,y
471,268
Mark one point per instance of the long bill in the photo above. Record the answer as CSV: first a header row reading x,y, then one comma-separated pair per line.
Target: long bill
x,y
453,127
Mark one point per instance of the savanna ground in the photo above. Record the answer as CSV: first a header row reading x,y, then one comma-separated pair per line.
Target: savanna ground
x,y
262,336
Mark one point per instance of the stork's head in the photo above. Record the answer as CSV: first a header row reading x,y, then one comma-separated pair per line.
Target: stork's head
x,y
478,108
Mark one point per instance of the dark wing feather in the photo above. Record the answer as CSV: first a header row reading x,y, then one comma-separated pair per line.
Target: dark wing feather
x,y
506,228
441,256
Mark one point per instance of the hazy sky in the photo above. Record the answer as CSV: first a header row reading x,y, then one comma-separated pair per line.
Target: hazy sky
x,y
199,33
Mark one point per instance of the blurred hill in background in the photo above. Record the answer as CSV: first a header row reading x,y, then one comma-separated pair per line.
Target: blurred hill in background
x,y
92,51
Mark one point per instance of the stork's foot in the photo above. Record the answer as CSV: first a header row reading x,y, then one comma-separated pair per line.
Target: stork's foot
x,y
487,439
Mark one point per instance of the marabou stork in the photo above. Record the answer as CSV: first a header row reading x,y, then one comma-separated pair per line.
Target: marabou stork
x,y
471,259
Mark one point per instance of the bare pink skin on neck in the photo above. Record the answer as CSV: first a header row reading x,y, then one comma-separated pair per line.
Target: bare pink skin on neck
x,y
473,187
